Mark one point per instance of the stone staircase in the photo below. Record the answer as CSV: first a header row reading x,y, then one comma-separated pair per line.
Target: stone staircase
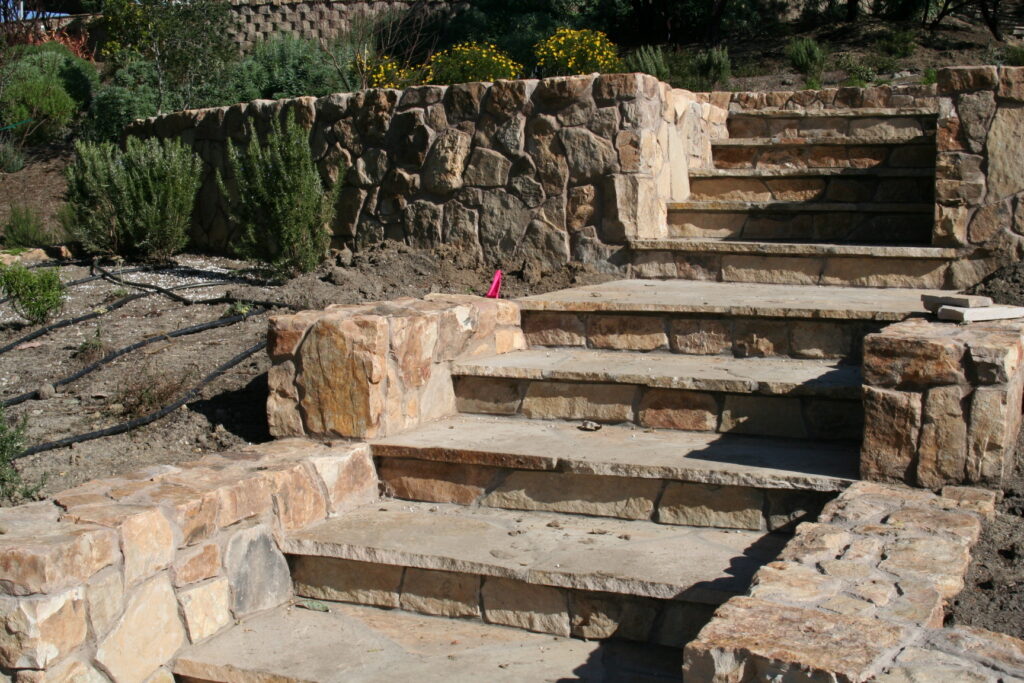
x,y
653,446
829,197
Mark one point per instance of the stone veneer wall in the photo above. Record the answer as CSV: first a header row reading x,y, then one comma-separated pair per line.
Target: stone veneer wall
x,y
376,369
108,580
979,176
859,596
942,402
315,19
512,172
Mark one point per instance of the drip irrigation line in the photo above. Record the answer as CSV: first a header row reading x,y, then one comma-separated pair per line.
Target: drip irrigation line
x,y
113,355
102,310
151,417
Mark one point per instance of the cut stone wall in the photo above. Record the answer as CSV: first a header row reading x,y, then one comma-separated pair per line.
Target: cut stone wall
x,y
512,173
874,97
108,580
859,596
942,402
375,369
979,175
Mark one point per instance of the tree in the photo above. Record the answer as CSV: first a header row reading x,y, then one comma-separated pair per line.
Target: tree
x,y
188,41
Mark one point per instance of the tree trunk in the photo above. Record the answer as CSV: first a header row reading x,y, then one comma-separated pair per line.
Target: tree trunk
x,y
852,10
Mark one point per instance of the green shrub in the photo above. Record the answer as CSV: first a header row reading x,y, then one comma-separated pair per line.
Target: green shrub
x,y
568,52
1012,55
714,66
898,43
284,66
858,74
281,206
13,488
35,294
806,56
134,203
34,91
12,159
25,229
131,94
650,59
471,62
882,64
930,76
79,77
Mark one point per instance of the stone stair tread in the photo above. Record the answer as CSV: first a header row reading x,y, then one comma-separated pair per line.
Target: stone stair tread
x,y
634,558
854,113
786,206
728,246
356,644
845,141
734,299
874,172
772,376
559,446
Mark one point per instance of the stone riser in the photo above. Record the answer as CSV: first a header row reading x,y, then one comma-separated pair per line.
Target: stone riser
x,y
882,127
701,335
800,417
498,600
832,227
834,271
790,156
633,498
814,189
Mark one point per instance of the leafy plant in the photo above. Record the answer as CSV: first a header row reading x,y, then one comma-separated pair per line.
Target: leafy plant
x,y
386,72
806,56
24,228
35,294
237,308
132,93
1012,55
649,59
12,159
471,62
858,74
93,348
34,95
284,66
900,43
280,205
568,52
714,66
136,202
154,388
930,76
13,488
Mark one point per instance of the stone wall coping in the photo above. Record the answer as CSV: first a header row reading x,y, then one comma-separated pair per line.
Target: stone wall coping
x,y
860,594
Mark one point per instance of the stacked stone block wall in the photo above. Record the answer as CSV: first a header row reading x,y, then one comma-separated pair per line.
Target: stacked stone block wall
x,y
860,596
942,402
979,175
920,97
108,580
534,172
376,369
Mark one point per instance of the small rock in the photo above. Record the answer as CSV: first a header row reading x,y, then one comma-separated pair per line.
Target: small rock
x,y
344,257
589,426
46,392
788,81
338,276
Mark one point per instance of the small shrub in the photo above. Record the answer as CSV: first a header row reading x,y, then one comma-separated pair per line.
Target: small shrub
x,y
12,159
882,64
812,83
806,56
650,59
284,66
930,76
78,76
13,488
898,43
237,308
92,349
35,294
131,94
281,205
132,203
24,228
1012,55
714,66
858,74
471,62
569,52
154,388
34,93
386,72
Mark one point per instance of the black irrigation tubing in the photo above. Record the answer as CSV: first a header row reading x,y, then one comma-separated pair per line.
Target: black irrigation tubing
x,y
151,417
113,355
103,310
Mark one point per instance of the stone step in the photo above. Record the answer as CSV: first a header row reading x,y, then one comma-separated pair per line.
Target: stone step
x,y
356,644
884,124
539,571
896,186
665,476
830,222
784,397
802,263
706,318
814,153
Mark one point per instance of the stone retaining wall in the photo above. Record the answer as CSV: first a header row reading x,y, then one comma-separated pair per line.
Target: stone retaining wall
x,y
511,173
381,368
108,580
859,596
942,402
874,97
979,175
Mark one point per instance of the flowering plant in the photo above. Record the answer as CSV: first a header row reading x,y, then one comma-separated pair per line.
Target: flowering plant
x,y
570,51
471,62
